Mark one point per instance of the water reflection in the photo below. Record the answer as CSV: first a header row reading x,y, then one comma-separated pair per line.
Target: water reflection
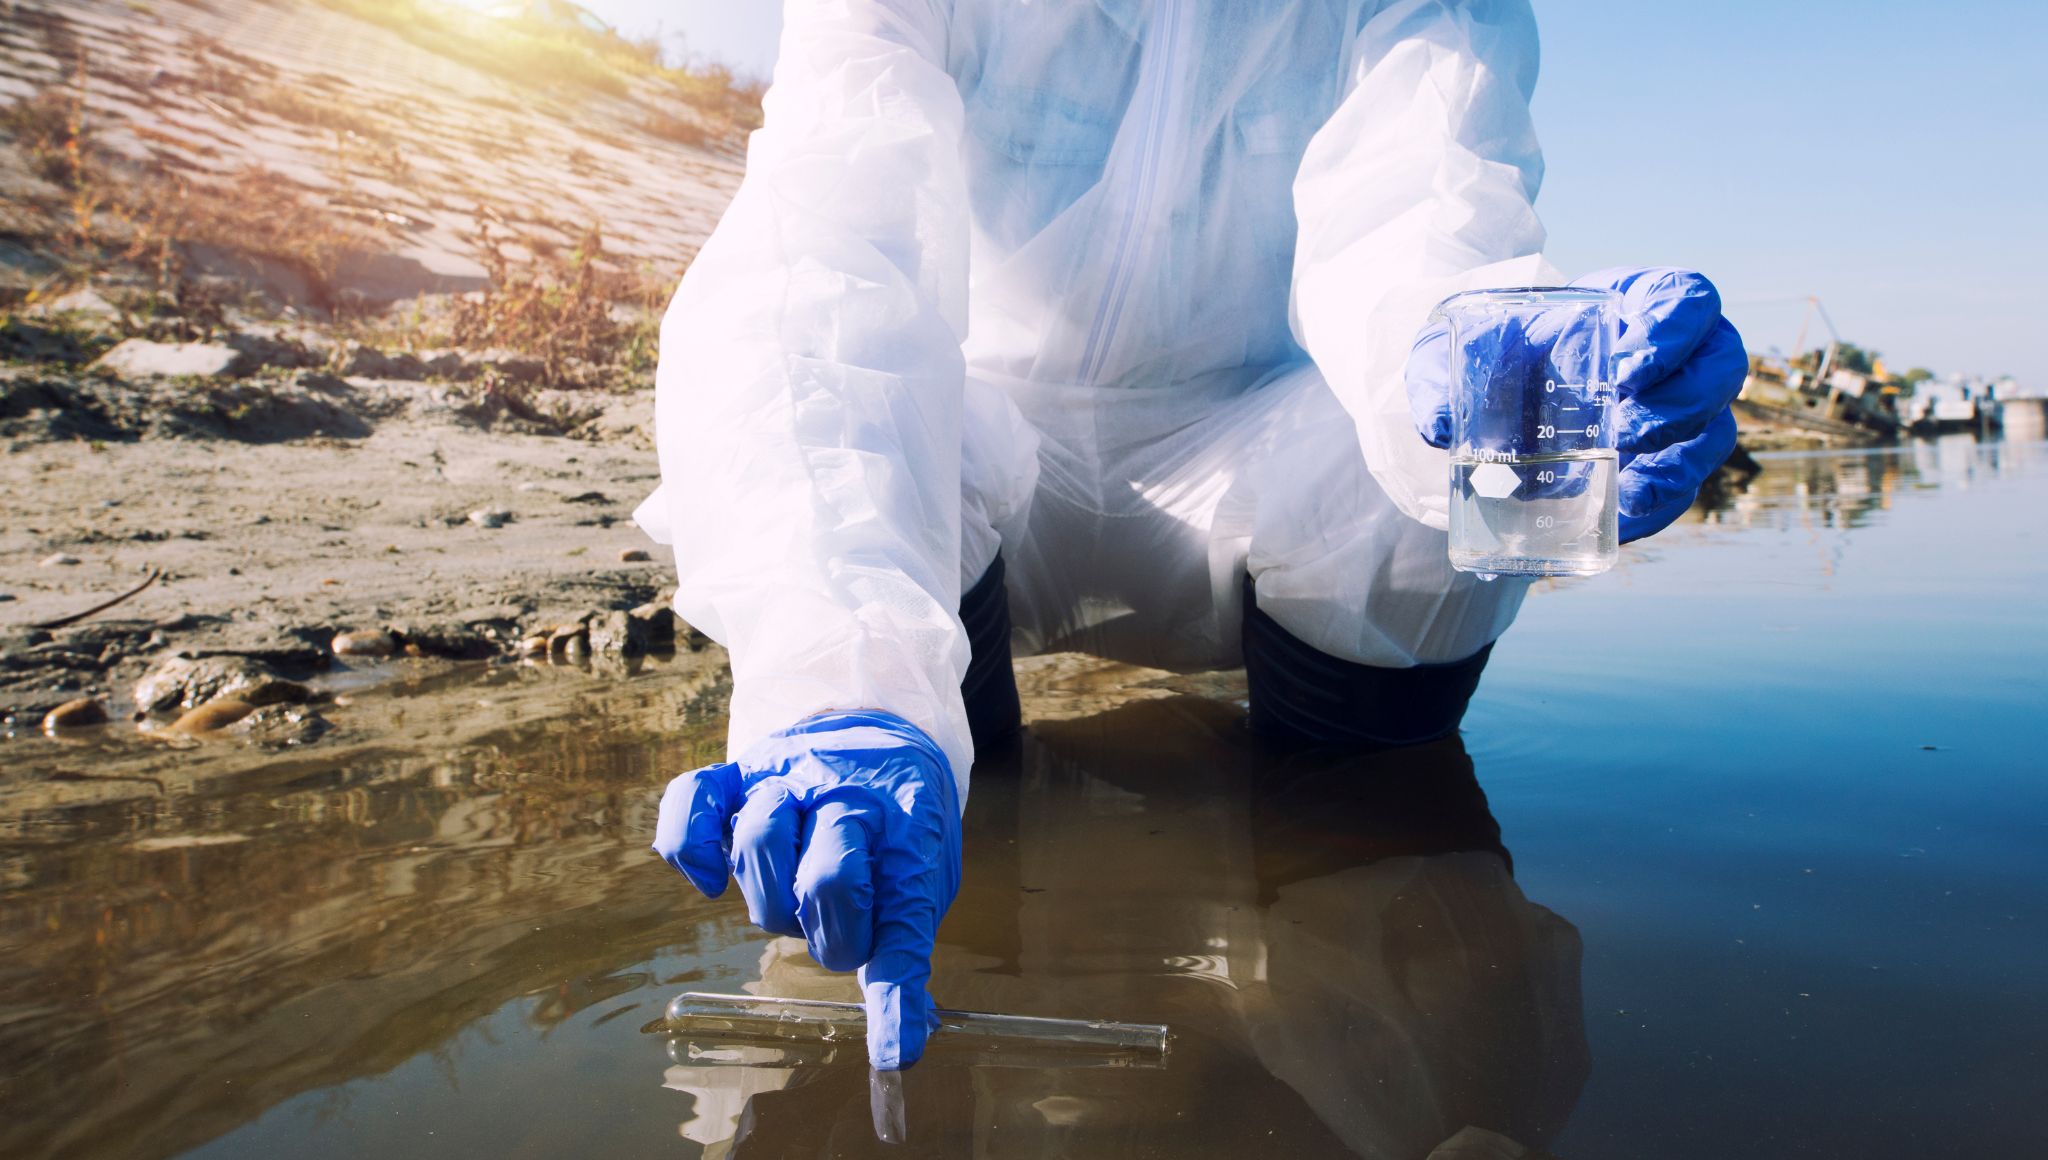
x,y
443,937
1338,943
428,952
1847,489
174,967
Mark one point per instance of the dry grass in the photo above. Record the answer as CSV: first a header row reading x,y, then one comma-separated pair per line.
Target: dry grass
x,y
714,89
667,126
558,56
109,214
527,51
336,115
50,128
139,230
558,309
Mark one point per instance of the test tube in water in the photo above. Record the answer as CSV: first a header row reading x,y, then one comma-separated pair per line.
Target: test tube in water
x,y
758,1017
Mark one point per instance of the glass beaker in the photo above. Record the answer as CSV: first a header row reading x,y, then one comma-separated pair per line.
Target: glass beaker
x,y
1533,463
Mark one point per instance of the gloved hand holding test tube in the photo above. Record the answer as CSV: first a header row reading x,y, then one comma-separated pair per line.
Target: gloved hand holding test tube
x,y
843,829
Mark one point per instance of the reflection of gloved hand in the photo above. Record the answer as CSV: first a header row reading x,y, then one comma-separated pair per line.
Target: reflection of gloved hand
x,y
1678,366
844,829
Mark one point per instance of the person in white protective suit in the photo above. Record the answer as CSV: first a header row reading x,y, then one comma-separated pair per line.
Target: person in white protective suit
x,y
1106,306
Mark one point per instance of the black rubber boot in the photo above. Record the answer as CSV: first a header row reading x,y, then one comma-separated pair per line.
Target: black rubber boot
x,y
1302,696
994,714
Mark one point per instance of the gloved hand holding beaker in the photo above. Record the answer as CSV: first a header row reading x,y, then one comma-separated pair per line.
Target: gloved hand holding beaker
x,y
843,829
1677,365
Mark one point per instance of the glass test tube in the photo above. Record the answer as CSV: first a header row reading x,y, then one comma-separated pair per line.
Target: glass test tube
x,y
765,1017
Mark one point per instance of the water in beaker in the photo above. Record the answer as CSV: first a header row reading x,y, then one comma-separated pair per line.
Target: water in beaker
x,y
1533,461
1565,526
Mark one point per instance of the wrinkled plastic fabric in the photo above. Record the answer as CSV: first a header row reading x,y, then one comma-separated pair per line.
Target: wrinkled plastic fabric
x,y
1066,279
843,829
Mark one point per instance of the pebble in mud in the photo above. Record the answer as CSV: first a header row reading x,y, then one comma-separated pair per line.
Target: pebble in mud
x,y
490,517
569,642
449,639
563,635
283,726
213,715
74,714
634,556
58,560
365,644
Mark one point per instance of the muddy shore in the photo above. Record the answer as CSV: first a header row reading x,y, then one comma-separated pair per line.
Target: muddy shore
x,y
435,532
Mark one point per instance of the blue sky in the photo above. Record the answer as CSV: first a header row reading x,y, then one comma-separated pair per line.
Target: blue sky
x,y
1889,157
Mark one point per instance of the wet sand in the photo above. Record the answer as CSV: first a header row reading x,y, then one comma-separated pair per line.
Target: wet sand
x,y
276,545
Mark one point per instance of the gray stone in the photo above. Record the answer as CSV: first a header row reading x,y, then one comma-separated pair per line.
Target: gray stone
x,y
141,358
188,682
371,363
628,417
283,726
83,302
490,517
619,634
260,350
566,409
442,364
323,383
659,623
451,639
506,364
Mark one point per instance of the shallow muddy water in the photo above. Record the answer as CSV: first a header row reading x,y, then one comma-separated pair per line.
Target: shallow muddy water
x,y
1743,852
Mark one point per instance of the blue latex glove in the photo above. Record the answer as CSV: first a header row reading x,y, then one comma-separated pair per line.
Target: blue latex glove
x,y
1678,366
844,829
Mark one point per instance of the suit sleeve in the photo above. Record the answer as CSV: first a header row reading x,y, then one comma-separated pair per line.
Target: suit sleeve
x,y
810,387
1420,185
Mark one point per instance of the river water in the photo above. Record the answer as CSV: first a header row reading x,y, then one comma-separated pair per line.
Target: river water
x,y
1744,851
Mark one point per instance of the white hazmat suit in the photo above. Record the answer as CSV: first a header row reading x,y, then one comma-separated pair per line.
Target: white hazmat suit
x,y
1122,288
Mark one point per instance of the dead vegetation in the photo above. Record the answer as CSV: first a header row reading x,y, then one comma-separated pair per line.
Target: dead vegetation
x,y
557,47
173,221
146,220
561,309
326,111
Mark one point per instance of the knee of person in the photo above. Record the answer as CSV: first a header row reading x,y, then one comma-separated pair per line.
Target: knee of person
x,y
1304,696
